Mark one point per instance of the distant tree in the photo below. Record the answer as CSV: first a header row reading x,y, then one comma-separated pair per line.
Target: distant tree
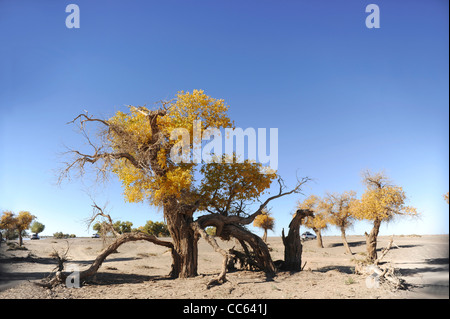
x,y
7,222
158,229
7,225
24,219
381,202
123,227
19,223
37,227
60,235
211,230
337,207
264,221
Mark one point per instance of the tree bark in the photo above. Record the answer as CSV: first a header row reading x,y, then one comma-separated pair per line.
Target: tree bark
x,y
371,241
185,242
344,241
262,257
319,237
292,242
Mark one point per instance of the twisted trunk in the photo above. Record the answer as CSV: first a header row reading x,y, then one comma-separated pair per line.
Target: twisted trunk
x,y
292,242
371,240
60,276
118,242
228,226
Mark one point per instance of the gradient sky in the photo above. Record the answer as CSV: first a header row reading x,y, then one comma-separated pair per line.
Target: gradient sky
x,y
343,97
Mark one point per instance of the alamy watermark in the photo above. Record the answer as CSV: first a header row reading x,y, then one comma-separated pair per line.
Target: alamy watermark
x,y
73,280
73,19
259,147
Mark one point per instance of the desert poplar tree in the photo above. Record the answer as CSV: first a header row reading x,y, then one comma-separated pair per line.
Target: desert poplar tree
x,y
265,222
139,145
21,222
338,209
381,202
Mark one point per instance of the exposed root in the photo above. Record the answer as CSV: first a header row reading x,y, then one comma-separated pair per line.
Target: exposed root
x,y
377,275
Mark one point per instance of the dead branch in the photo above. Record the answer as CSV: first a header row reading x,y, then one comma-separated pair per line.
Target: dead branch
x,y
221,278
384,251
60,277
385,274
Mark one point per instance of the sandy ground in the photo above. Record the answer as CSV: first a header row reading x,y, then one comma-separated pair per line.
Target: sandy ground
x,y
139,270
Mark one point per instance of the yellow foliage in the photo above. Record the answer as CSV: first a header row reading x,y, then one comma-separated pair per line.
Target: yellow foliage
x,y
264,221
381,201
338,208
20,222
8,221
224,183
132,134
320,220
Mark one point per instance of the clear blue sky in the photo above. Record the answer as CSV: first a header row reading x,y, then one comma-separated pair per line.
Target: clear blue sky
x,y
343,97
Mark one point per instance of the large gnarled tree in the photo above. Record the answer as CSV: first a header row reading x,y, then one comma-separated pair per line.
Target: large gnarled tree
x,y
138,147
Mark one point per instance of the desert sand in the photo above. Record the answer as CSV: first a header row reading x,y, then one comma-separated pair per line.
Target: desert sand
x,y
140,269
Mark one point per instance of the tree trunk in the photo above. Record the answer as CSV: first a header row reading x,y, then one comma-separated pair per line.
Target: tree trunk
x,y
344,241
371,241
20,238
319,237
262,257
185,242
292,243
264,238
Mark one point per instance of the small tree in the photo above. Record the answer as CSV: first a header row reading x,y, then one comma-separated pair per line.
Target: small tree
x,y
264,221
24,220
18,223
337,207
7,223
37,227
318,223
381,202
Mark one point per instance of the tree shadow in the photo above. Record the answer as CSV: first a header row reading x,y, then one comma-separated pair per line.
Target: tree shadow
x,y
351,244
28,259
437,261
406,246
8,277
434,267
105,278
342,269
